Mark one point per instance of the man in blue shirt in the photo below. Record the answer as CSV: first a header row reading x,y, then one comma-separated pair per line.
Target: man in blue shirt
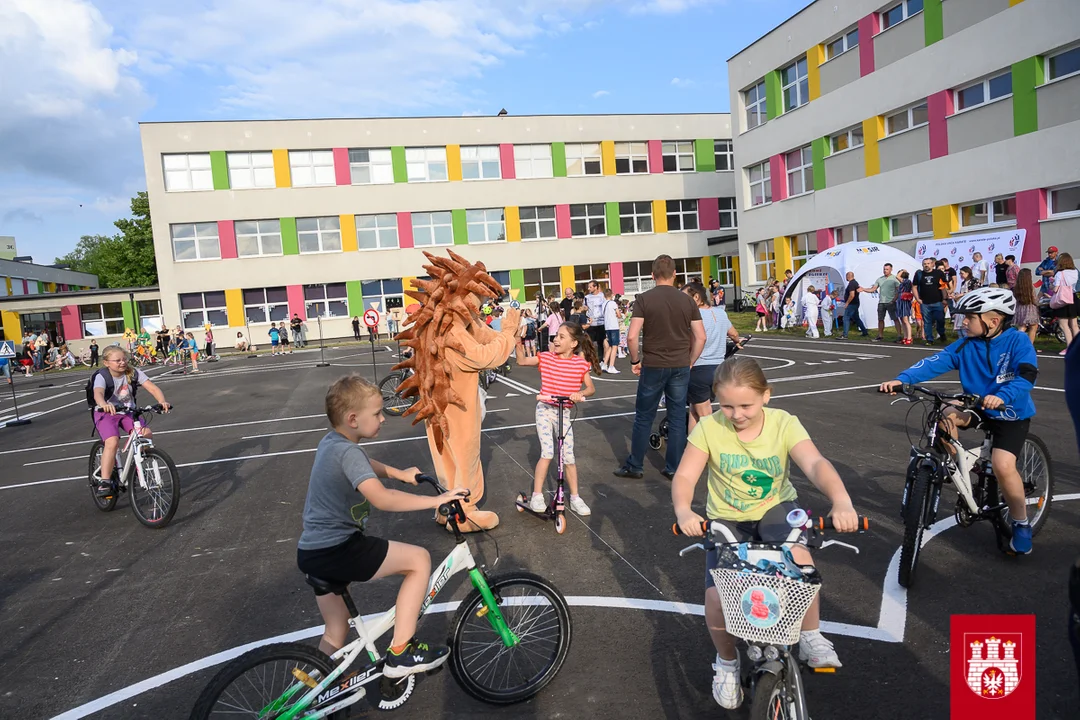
x,y
1046,269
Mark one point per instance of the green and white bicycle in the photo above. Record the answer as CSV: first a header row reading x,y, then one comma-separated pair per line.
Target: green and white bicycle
x,y
508,640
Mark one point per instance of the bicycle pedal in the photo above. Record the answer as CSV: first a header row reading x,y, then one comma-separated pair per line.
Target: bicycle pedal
x,y
482,612
304,678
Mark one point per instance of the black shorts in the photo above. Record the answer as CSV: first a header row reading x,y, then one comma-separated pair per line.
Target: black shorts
x,y
701,380
355,560
771,528
1007,435
1065,312
597,333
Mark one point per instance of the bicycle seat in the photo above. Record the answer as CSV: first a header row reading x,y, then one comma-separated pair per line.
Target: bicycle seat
x,y
326,587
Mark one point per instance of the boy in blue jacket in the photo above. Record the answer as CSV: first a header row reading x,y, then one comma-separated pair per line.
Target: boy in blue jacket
x,y
999,363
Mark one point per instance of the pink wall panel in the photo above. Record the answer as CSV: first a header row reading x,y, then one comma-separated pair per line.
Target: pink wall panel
x,y
562,221
296,301
616,278
69,320
227,239
1030,209
868,28
404,230
825,240
341,166
708,213
25,287
506,159
940,107
778,171
656,157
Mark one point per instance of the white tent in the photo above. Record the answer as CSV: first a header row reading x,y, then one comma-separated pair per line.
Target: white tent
x,y
830,268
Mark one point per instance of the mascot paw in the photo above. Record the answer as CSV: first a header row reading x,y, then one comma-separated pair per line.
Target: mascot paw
x,y
480,520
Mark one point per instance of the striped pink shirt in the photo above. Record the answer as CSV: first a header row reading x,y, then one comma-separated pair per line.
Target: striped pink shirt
x,y
561,376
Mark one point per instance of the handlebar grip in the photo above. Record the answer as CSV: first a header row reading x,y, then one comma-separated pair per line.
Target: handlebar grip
x,y
826,523
676,531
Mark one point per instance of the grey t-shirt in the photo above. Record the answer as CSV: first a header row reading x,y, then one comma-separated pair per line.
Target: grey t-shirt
x,y
887,288
121,395
334,510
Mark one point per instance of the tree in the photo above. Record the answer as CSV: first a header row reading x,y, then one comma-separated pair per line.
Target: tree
x,y
122,260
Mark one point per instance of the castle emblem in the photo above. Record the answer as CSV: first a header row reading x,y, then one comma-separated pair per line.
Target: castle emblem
x,y
993,667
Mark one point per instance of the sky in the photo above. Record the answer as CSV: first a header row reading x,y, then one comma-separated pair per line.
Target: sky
x,y
78,76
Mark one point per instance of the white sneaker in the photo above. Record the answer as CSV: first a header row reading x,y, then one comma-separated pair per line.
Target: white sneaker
x,y
816,651
603,367
726,688
537,503
578,505
612,370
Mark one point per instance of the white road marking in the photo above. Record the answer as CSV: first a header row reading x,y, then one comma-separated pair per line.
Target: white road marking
x,y
818,351
521,387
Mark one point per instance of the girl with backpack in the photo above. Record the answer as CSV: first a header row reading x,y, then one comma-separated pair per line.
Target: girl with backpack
x,y
528,322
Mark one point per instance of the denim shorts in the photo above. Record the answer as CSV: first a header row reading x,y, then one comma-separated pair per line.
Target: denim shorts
x,y
613,338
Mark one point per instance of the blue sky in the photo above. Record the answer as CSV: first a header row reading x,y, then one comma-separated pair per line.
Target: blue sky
x,y
79,75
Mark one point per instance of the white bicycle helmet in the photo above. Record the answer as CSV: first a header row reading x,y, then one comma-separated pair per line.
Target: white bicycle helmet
x,y
986,299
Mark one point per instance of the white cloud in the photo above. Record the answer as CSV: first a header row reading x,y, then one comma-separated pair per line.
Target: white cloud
x,y
682,82
668,6
601,93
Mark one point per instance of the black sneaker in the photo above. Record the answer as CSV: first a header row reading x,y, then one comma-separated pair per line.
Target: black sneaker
x,y
625,472
105,488
668,474
417,657
877,338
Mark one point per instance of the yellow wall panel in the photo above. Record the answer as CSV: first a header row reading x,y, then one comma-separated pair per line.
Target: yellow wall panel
x,y
234,307
12,327
782,249
566,276
348,233
815,56
453,162
946,221
659,216
282,175
513,224
873,130
607,156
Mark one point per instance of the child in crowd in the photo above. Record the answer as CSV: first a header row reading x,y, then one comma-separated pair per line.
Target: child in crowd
x,y
1026,319
761,312
828,307
811,311
528,332
93,352
193,351
563,370
787,320
283,338
275,338
611,332
746,447
905,295
554,320
344,485
241,343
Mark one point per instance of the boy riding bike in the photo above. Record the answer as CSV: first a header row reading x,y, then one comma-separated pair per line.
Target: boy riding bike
x,y
997,362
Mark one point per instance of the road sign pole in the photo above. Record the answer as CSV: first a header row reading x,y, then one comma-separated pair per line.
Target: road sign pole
x,y
7,350
322,356
374,371
251,353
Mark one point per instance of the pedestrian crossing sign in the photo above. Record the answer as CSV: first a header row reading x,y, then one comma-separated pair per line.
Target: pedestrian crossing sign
x,y
7,349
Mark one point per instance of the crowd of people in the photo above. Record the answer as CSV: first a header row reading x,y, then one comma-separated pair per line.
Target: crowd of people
x,y
42,350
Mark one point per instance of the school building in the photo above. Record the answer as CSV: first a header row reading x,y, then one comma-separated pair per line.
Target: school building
x,y
895,121
32,296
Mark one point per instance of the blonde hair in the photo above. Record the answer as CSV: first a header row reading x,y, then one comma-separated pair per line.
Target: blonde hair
x,y
347,393
129,371
741,372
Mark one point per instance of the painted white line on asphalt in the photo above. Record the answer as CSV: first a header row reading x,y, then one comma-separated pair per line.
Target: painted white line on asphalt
x,y
37,402
817,351
54,460
809,377
765,357
522,387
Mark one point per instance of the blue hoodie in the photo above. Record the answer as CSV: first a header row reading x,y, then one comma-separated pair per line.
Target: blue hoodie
x,y
1005,366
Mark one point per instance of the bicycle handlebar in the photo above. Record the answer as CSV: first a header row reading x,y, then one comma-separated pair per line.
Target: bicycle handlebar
x,y
156,408
557,399
969,399
822,523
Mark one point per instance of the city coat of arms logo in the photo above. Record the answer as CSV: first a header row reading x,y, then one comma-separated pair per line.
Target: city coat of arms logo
x,y
992,667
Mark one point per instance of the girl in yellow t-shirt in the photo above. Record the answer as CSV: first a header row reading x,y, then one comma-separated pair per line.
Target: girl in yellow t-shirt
x,y
746,447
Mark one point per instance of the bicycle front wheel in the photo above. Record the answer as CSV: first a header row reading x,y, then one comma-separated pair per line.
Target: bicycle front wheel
x,y
779,697
262,677
105,504
156,494
394,404
915,514
537,613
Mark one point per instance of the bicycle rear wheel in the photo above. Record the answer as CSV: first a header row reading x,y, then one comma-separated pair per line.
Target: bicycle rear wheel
x,y
1038,476
248,685
394,404
779,697
537,613
915,514
156,495
105,504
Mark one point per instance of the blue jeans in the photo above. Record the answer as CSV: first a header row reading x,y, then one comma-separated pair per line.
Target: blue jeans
x,y
933,314
851,315
672,384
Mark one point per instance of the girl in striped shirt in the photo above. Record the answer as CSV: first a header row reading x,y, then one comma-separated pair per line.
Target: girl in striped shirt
x,y
563,370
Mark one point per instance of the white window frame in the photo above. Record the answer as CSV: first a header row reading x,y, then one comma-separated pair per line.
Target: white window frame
x,y
431,223
151,320
725,269
685,215
479,160
379,166
590,213
1053,56
119,323
1051,206
486,225
193,174
383,297
856,235
758,108
600,273
909,115
264,231
729,214
724,154
204,311
907,13
809,249
634,153
985,85
542,222
639,214
549,282
681,152
326,230
426,164
685,274
250,170
268,308
533,161
917,229
323,303
764,182
802,173
312,168
382,228
17,287
584,159
848,137
845,43
637,277
763,269
990,213
201,235
801,84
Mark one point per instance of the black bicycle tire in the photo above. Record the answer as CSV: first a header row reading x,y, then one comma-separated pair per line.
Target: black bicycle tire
x,y
102,504
253,658
1045,452
388,388
763,692
468,607
175,500
914,518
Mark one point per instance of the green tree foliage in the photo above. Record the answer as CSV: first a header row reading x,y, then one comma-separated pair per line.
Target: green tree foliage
x,y
122,260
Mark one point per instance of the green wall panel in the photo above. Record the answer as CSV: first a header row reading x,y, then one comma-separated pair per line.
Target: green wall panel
x,y
355,297
879,230
558,159
820,149
397,156
611,210
933,23
219,169
1026,76
129,315
517,285
290,243
461,227
704,155
774,100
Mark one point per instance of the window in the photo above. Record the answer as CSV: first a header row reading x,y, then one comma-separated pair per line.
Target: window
x,y
988,212
847,140
326,300
899,13
387,293
585,274
728,215
149,312
587,220
764,260
101,319
803,247
631,158
1063,201
250,170
913,117
687,270
678,156
760,184
486,226
371,166
1063,64
681,215
538,223
723,155
195,241
859,232
635,217
198,309
318,235
637,277
258,237
17,287
583,159
480,162
435,228
546,281
376,232
503,278
311,167
532,161
842,44
984,91
725,269
796,85
426,164
756,113
187,172
800,171
263,305
906,226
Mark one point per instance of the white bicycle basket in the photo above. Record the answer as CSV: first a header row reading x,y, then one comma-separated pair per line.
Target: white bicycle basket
x,y
763,608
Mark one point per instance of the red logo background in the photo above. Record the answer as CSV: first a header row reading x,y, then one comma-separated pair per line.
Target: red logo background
x,y
965,703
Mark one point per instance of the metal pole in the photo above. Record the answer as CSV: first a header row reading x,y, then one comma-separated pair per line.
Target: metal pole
x,y
17,420
374,371
252,354
322,356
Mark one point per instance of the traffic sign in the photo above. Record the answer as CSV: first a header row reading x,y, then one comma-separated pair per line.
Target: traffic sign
x,y
371,318
515,304
7,349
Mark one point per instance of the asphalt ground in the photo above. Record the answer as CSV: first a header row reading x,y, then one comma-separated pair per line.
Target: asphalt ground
x,y
101,617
